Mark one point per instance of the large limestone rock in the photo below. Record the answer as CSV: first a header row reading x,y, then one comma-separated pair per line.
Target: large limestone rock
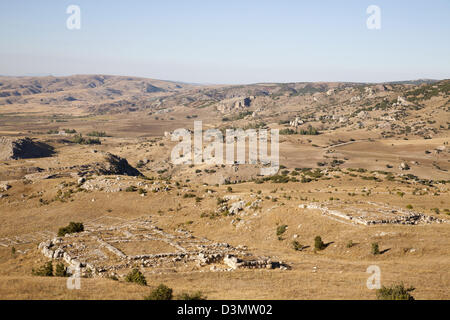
x,y
115,165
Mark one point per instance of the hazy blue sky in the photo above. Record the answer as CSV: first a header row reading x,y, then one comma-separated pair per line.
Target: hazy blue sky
x,y
228,41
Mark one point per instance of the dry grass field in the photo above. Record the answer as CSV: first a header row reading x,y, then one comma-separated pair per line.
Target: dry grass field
x,y
381,152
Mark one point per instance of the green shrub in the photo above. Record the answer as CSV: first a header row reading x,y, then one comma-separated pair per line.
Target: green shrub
x,y
60,270
318,243
350,244
136,276
309,131
80,140
131,189
198,295
287,131
375,248
409,206
395,292
73,227
281,229
189,195
97,134
45,270
162,292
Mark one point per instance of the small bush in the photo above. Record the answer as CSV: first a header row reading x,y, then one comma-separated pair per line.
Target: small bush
x,y
350,244
189,195
73,227
162,292
80,140
297,246
395,292
97,134
131,189
409,206
281,229
375,248
318,243
45,270
191,296
136,276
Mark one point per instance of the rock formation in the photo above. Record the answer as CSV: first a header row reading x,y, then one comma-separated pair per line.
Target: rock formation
x,y
23,148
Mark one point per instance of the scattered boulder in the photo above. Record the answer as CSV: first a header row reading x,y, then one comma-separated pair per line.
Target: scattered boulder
x,y
4,186
236,207
404,166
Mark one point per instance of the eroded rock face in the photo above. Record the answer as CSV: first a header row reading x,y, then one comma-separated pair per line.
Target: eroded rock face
x,y
23,148
235,104
112,165
117,165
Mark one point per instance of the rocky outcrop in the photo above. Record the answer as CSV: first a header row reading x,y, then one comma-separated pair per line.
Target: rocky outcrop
x,y
296,122
111,165
235,104
23,148
236,207
4,186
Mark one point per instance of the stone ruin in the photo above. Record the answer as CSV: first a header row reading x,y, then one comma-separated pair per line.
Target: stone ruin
x,y
117,183
371,213
104,251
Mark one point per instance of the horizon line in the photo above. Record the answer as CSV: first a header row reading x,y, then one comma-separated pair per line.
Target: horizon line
x,y
219,84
